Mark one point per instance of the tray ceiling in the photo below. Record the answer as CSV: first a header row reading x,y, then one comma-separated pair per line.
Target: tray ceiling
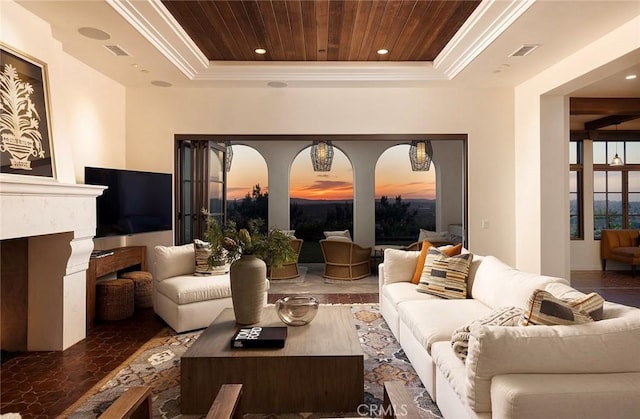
x,y
336,30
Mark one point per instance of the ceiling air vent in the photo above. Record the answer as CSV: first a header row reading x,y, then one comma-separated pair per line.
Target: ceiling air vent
x,y
117,50
524,50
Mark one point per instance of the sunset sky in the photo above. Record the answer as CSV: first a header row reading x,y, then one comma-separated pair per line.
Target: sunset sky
x,y
393,176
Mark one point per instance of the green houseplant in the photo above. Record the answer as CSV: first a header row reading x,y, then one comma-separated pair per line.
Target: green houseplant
x,y
228,243
248,274
223,249
273,247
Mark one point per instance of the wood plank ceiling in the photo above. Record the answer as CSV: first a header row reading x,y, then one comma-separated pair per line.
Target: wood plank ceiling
x,y
322,30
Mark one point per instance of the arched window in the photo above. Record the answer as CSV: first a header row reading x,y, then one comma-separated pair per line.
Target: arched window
x,y
320,201
405,200
247,186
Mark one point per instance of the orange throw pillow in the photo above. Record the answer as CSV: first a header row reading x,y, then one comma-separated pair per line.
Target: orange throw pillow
x,y
453,250
426,244
448,251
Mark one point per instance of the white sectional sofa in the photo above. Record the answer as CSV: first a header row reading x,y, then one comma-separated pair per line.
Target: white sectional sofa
x,y
589,370
183,300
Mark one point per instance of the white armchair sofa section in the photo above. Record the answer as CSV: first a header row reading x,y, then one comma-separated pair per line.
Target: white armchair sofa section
x,y
582,371
183,300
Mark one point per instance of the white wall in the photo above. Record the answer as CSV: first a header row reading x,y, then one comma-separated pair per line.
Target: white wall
x,y
154,115
87,109
448,158
541,141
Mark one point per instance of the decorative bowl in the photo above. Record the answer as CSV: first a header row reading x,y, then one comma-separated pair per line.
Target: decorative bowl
x,y
297,310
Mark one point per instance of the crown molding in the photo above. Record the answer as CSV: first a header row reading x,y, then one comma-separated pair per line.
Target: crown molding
x,y
490,19
154,22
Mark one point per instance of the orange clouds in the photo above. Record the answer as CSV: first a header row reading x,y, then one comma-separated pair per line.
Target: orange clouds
x,y
393,176
324,189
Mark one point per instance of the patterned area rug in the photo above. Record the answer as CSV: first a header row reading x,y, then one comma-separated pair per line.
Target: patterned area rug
x,y
157,364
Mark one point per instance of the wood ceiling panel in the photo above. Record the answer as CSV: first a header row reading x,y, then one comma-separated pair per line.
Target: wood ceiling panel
x,y
308,10
244,26
394,35
269,19
383,26
255,19
412,32
444,29
433,18
294,8
360,21
375,16
284,29
322,30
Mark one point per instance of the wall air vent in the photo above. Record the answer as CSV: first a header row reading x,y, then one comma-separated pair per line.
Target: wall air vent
x,y
524,50
117,50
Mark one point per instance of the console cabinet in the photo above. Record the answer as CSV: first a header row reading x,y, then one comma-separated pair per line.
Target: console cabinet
x,y
122,259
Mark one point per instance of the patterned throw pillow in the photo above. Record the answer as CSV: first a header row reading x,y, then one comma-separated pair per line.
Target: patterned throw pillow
x,y
202,250
545,309
445,276
447,250
592,304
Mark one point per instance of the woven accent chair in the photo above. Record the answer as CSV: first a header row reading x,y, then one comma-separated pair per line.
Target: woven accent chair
x,y
345,260
288,270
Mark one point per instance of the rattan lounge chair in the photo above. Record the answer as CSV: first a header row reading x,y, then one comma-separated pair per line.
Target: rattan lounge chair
x,y
288,270
345,260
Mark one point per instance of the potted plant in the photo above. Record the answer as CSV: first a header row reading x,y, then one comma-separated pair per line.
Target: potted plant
x,y
274,247
222,250
249,272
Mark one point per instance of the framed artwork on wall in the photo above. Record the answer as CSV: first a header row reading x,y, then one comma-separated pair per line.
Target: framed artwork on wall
x,y
25,127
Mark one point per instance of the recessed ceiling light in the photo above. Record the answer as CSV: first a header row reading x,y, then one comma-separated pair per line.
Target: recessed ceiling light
x,y
94,33
277,84
260,51
631,77
161,83
382,51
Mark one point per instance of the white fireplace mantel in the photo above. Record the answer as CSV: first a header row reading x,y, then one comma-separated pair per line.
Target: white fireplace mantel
x,y
60,221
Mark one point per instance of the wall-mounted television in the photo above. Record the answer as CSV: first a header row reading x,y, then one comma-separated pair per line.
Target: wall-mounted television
x,y
135,202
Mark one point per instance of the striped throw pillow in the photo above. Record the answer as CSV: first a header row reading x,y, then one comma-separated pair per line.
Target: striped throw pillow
x,y
545,309
592,304
445,276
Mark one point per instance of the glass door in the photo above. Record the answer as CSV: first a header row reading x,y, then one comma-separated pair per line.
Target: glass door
x,y
200,184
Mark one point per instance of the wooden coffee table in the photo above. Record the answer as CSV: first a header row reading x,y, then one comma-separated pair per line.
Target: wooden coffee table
x,y
320,369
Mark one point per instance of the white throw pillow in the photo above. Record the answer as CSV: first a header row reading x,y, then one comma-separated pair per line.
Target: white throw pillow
x,y
433,236
343,233
338,239
174,260
399,265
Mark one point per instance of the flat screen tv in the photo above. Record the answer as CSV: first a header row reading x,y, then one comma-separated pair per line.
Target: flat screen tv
x,y
135,202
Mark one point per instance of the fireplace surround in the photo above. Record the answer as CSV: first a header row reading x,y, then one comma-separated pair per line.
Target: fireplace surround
x,y
57,223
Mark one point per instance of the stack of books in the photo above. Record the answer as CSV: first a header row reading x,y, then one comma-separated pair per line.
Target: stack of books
x,y
259,337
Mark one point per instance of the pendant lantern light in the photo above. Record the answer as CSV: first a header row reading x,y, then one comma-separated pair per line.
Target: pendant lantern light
x,y
420,155
321,156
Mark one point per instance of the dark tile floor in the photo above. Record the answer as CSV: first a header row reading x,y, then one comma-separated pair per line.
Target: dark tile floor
x,y
44,384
